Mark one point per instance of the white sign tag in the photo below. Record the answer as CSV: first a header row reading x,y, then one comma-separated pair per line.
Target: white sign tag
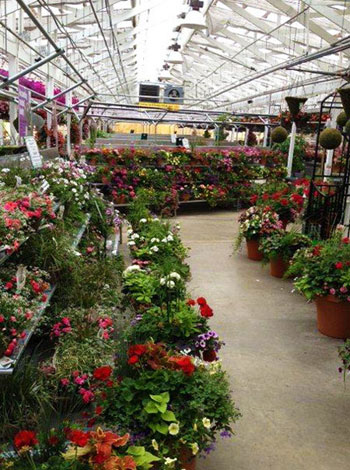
x,y
32,147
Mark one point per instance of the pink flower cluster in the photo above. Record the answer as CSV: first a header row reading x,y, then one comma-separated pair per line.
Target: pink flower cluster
x,y
79,380
60,328
106,325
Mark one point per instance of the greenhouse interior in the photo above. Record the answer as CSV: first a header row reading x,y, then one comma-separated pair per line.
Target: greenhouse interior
x,y
174,234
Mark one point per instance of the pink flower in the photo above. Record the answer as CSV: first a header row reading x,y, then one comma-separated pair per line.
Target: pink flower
x,y
65,321
65,382
332,291
343,290
79,380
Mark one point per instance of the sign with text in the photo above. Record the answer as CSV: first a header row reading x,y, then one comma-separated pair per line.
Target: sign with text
x,y
23,110
34,154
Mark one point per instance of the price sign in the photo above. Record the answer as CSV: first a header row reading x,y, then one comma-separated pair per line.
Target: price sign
x,y
34,154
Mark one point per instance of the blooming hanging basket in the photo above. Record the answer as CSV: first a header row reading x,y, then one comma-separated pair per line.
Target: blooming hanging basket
x,y
345,99
294,104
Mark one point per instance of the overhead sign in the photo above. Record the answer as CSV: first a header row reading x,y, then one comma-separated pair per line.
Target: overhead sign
x,y
170,107
34,154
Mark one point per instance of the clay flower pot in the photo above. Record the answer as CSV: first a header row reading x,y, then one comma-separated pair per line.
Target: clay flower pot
x,y
187,459
278,267
253,250
333,317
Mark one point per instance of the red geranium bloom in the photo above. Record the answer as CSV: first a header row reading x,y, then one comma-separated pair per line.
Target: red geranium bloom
x,y
53,440
284,202
201,301
297,198
191,302
265,197
79,438
339,265
137,349
253,199
206,311
346,240
185,364
25,438
133,359
103,373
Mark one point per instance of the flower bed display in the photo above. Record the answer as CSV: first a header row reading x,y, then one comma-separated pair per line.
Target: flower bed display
x,y
180,175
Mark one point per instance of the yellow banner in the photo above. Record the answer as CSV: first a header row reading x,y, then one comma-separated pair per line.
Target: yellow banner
x,y
169,106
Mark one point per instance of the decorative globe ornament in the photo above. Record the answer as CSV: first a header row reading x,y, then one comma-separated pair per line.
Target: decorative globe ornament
x,y
342,119
279,135
294,104
330,139
345,99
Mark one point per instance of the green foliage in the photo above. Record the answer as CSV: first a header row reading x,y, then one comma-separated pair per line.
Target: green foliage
x,y
283,244
342,119
279,135
299,151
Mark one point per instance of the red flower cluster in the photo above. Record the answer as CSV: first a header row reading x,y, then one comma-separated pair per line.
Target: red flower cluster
x,y
338,265
204,308
184,363
78,437
25,439
135,352
103,373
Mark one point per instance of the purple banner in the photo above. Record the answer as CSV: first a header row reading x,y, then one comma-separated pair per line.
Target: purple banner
x,y
23,110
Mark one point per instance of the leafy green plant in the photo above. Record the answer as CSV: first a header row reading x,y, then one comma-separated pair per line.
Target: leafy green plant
x,y
283,244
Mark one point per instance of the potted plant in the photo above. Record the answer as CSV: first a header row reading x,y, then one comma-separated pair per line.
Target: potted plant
x,y
279,249
323,274
254,224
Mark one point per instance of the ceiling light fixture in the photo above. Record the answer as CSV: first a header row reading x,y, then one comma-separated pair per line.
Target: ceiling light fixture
x,y
194,19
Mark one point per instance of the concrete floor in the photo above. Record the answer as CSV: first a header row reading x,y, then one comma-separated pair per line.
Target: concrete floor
x,y
283,372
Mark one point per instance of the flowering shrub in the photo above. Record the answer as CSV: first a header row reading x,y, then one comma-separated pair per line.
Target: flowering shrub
x,y
323,269
257,223
283,244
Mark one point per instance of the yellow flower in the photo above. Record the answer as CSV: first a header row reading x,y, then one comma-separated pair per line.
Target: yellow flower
x,y
206,423
76,452
195,427
173,429
155,444
169,462
194,448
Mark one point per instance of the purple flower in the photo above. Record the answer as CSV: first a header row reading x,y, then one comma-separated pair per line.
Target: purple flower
x,y
225,434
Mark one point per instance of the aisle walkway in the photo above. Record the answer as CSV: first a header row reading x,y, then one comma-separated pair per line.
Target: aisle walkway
x,y
296,413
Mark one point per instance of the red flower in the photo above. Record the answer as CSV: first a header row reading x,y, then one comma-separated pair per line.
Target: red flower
x,y
201,301
253,199
133,359
206,311
8,285
25,438
137,349
185,364
98,410
317,250
102,373
77,437
339,265
265,197
191,302
297,198
346,240
284,202
53,440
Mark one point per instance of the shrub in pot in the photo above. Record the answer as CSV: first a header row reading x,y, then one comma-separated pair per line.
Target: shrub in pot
x,y
323,274
279,249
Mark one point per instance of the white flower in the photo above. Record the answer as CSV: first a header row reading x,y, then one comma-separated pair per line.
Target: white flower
x,y
169,461
206,423
155,219
130,269
131,243
170,284
74,190
135,236
130,231
175,276
143,221
164,240
170,238
154,248
162,281
5,170
194,448
154,240
155,444
173,429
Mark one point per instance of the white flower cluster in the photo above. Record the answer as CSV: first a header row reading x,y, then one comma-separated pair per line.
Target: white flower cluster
x,y
170,280
169,238
131,269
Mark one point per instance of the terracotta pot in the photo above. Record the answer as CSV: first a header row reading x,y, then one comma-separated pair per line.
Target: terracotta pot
x,y
185,196
187,459
278,267
333,317
253,250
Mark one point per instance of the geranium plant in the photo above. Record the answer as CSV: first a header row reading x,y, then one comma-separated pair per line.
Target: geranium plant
x,y
283,244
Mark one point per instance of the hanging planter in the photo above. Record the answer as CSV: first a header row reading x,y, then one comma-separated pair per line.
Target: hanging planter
x,y
342,119
345,99
347,127
330,139
279,135
294,104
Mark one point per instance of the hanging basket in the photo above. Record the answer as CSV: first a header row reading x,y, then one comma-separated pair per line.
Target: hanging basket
x,y
345,99
294,104
330,139
279,135
342,119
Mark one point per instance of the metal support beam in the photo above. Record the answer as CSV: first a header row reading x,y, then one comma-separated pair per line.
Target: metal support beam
x,y
61,93
31,68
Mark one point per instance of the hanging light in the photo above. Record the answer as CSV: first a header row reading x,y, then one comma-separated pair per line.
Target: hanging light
x,y
175,56
194,19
